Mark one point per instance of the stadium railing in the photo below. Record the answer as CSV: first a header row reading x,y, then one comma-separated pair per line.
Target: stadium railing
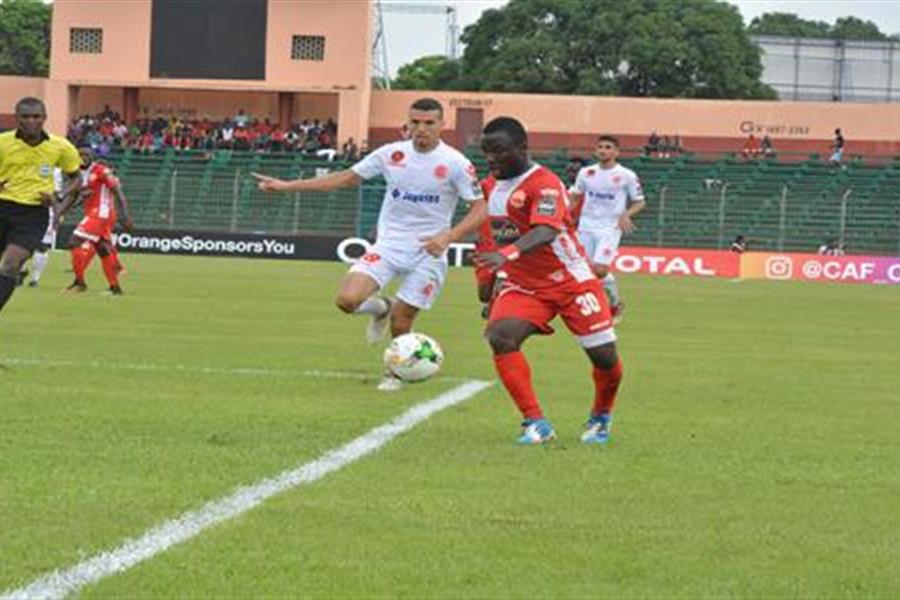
x,y
692,202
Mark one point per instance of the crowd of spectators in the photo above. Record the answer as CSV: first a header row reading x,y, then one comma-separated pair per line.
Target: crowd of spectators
x,y
106,132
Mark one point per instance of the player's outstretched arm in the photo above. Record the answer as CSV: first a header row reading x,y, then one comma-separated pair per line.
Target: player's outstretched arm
x,y
540,235
122,207
437,244
70,197
325,183
625,221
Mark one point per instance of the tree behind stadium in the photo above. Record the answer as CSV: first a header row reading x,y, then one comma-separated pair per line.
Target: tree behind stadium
x,y
664,48
24,37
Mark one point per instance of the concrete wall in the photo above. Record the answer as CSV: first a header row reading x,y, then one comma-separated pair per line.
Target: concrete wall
x,y
713,125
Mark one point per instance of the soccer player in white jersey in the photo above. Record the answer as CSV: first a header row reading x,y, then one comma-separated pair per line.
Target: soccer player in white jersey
x,y
425,179
605,198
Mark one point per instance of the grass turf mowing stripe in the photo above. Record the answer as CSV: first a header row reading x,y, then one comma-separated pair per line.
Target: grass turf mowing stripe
x,y
6,362
184,527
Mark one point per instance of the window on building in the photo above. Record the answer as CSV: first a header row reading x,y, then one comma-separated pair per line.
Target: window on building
x,y
85,41
308,47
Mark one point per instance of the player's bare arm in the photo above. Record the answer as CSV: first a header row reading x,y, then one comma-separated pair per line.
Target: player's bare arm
x,y
540,235
626,224
575,200
122,207
71,196
437,244
326,183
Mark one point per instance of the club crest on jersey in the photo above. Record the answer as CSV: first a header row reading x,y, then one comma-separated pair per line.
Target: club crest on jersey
x,y
45,170
517,200
441,172
546,206
397,156
591,172
617,179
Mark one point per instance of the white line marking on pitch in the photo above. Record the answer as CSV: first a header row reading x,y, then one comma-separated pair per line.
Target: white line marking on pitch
x,y
59,583
244,371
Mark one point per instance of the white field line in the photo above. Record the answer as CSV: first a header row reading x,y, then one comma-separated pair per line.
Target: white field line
x,y
239,371
59,583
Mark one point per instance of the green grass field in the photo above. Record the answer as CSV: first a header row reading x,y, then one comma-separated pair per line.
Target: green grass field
x,y
756,448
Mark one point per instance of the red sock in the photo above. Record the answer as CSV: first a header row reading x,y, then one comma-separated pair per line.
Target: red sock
x,y
516,377
115,256
110,270
606,384
81,258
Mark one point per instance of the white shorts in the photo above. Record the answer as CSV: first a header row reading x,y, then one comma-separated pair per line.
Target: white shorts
x,y
601,245
423,274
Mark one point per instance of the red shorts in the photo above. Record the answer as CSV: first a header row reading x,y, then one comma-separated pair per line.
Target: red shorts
x,y
95,228
583,307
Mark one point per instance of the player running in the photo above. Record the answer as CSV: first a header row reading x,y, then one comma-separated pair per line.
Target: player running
x,y
605,198
101,194
27,158
547,274
425,178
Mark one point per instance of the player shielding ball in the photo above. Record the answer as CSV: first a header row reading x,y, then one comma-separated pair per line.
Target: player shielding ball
x,y
28,156
547,274
605,198
425,179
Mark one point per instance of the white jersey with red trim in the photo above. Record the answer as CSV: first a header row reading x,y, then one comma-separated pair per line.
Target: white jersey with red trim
x,y
515,207
606,195
423,189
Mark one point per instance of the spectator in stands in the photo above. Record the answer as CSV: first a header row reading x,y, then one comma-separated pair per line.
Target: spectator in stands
x,y
241,119
677,149
349,151
766,148
652,146
751,147
832,247
740,244
837,148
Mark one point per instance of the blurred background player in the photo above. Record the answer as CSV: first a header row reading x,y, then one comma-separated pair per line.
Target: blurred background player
x,y
547,274
605,198
101,195
28,156
425,178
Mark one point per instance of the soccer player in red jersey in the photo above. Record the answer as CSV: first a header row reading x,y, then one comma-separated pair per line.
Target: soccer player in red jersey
x,y
101,193
547,274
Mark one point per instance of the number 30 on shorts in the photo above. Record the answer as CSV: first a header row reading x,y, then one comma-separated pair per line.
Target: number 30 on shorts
x,y
588,303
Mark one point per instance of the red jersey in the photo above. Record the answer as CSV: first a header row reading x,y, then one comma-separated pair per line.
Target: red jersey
x,y
100,183
515,206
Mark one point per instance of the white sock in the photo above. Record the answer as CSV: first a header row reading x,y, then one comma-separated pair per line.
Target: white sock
x,y
373,305
612,289
38,264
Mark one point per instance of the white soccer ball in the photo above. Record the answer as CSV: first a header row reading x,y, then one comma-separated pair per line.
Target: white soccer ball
x,y
413,357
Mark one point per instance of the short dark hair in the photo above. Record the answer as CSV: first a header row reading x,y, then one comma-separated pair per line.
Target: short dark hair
x,y
30,101
510,126
428,104
608,138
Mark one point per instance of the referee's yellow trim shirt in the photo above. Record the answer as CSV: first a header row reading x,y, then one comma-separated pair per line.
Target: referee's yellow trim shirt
x,y
28,170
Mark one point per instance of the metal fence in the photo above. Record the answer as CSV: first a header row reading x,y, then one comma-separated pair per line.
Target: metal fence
x,y
701,214
785,221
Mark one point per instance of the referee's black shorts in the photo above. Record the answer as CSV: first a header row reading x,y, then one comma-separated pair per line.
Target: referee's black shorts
x,y
22,224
